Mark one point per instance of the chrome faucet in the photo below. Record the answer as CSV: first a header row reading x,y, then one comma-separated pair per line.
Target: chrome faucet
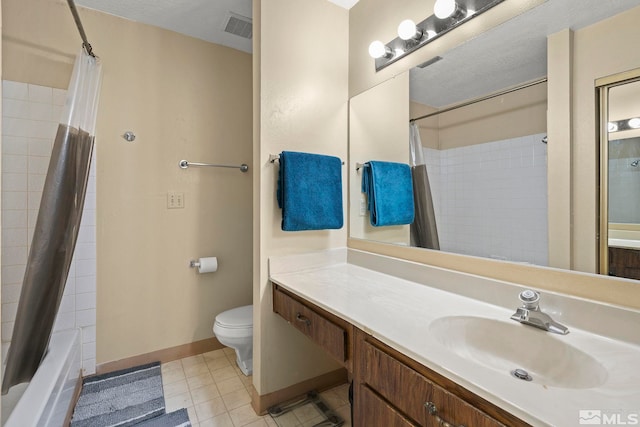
x,y
530,314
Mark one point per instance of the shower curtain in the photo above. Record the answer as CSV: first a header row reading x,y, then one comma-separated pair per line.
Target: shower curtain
x,y
57,225
424,232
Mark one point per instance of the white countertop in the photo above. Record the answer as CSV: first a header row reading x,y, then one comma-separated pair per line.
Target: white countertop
x,y
398,312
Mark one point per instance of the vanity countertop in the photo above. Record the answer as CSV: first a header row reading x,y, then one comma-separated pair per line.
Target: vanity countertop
x,y
399,313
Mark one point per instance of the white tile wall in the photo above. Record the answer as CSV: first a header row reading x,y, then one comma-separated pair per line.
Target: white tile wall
x,y
30,116
624,183
491,199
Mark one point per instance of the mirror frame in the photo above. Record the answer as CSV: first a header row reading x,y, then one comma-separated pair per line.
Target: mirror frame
x,y
603,85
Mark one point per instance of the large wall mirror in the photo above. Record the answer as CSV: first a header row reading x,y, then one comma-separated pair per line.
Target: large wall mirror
x,y
620,176
484,137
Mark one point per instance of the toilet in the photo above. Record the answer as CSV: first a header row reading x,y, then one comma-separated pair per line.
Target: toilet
x,y
234,328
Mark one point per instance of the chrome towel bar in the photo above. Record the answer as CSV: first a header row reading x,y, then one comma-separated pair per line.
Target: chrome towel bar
x,y
185,164
274,157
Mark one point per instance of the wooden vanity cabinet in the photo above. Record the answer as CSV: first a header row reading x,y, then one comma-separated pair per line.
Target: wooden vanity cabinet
x,y
327,330
392,387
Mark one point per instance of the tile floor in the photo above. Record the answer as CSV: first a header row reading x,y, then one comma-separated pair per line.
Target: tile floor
x,y
216,393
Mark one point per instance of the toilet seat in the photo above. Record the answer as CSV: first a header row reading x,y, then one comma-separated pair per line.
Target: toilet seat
x,y
237,318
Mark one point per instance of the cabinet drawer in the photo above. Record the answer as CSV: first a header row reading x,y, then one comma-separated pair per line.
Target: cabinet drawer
x,y
377,412
409,391
321,330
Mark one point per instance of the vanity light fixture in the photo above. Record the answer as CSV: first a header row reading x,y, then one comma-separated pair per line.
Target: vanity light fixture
x,y
634,123
448,14
625,124
444,9
377,50
407,30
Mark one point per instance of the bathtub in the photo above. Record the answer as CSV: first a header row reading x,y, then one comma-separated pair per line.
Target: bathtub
x,y
45,400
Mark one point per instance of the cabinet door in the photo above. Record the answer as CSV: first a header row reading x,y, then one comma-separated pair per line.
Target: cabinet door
x,y
327,334
414,395
377,412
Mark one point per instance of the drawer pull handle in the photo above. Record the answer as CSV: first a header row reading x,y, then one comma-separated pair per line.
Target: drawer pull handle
x,y
431,408
303,319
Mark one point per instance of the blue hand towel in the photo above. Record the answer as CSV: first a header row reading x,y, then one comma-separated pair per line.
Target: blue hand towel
x,y
310,191
389,190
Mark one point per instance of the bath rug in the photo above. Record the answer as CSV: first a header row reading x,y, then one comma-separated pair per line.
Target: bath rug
x,y
179,418
124,398
309,411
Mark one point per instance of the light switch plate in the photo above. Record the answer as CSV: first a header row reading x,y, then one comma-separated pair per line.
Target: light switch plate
x,y
175,200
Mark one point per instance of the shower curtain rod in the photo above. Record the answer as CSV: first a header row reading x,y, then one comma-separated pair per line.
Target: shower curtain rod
x,y
85,43
482,98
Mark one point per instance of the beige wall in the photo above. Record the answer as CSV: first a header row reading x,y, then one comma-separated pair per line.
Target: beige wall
x,y
599,50
378,130
300,104
1,77
185,99
519,113
576,60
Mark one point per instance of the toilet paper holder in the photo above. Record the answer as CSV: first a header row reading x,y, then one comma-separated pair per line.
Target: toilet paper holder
x,y
194,263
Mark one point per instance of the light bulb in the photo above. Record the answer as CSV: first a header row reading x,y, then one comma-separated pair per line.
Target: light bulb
x,y
612,127
407,30
377,49
444,8
634,123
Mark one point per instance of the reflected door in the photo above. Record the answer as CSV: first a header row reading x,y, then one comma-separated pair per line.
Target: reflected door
x,y
620,178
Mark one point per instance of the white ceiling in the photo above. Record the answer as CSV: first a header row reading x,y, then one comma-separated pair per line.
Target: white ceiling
x,y
510,54
203,19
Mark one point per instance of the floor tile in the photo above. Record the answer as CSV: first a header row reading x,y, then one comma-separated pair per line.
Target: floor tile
x,y
215,354
217,364
195,370
243,415
175,388
199,381
216,393
182,400
224,374
205,393
173,376
210,409
223,420
236,399
232,384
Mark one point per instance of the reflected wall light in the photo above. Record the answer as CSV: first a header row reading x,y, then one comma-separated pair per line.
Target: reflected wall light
x,y
448,14
625,124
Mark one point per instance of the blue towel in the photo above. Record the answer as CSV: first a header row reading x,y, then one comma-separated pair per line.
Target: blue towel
x,y
389,190
310,191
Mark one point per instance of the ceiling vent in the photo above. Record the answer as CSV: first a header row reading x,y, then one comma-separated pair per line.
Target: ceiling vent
x,y
239,25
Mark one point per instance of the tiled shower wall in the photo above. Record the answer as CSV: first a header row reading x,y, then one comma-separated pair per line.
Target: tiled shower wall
x,y
30,117
624,181
491,199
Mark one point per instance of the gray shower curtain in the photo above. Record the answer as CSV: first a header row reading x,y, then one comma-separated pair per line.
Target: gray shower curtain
x,y
57,225
424,232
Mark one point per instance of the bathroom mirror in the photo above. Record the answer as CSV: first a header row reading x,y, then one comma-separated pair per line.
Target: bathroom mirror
x,y
486,161
620,176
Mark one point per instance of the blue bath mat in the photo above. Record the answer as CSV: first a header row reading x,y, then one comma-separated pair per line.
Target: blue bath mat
x,y
127,397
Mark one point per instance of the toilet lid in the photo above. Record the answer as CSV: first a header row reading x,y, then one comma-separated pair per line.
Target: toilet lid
x,y
241,317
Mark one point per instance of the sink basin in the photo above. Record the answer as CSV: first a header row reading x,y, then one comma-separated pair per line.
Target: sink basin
x,y
505,346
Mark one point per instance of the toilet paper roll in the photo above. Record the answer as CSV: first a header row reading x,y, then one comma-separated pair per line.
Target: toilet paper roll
x,y
208,265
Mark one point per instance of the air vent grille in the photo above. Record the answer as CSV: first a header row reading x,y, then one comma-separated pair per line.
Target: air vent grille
x,y
239,25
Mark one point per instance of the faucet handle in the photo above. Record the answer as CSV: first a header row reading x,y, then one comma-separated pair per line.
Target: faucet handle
x,y
529,298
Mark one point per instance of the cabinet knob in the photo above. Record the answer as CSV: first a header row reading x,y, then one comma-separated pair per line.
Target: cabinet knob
x,y
433,410
303,319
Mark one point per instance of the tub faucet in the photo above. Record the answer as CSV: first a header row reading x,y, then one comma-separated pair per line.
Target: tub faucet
x,y
529,314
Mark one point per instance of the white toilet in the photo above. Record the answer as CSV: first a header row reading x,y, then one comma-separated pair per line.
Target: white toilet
x,y
234,328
